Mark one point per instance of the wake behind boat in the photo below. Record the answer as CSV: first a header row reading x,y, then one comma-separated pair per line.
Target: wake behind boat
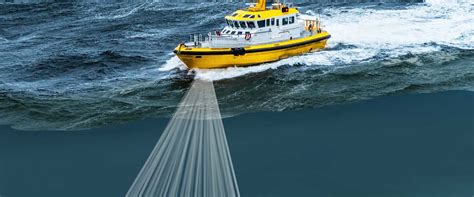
x,y
267,31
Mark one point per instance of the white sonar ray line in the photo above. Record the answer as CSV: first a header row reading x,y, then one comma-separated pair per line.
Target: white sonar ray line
x,y
192,157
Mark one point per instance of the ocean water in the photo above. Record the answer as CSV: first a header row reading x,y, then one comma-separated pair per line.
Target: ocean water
x,y
86,64
385,111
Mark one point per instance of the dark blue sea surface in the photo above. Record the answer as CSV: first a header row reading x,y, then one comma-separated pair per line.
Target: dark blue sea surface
x,y
419,145
77,65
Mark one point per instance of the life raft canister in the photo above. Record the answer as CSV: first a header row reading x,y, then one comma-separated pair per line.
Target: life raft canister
x,y
248,36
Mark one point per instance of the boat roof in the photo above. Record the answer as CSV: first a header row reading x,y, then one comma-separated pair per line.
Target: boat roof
x,y
246,15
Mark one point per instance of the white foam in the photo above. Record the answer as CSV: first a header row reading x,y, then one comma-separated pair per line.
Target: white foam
x,y
445,2
155,33
142,35
20,39
173,63
322,59
121,13
375,33
388,29
328,61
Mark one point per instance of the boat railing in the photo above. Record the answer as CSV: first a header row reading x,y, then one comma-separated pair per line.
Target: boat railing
x,y
218,40
223,37
200,40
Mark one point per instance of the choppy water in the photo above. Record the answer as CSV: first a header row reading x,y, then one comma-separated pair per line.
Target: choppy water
x,y
87,64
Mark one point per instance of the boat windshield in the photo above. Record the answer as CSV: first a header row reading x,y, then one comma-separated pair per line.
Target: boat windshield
x,y
242,24
251,24
236,24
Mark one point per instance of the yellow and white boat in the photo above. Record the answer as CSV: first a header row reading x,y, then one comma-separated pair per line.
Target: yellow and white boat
x,y
267,31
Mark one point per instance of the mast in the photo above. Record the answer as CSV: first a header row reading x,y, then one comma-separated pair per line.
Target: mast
x,y
260,6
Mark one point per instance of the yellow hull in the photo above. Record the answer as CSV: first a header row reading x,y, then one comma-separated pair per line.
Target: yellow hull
x,y
208,58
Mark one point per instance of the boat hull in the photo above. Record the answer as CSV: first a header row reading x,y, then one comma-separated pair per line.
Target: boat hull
x,y
208,58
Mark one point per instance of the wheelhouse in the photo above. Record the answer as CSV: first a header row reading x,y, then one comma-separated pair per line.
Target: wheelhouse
x,y
258,24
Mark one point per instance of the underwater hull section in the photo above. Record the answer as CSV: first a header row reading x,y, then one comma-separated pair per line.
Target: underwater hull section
x,y
220,58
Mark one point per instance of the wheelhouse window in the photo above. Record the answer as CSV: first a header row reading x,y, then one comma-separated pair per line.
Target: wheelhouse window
x,y
284,21
261,23
236,24
253,16
292,20
251,24
233,32
242,24
234,14
273,21
246,16
268,22
239,33
278,22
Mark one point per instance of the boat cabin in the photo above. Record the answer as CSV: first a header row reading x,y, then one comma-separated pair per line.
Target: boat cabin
x,y
266,21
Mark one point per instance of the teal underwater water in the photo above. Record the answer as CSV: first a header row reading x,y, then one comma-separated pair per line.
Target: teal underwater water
x,y
412,145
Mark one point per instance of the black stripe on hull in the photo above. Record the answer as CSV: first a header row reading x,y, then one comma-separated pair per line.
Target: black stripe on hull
x,y
230,52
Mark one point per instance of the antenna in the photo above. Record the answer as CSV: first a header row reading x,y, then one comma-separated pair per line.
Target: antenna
x,y
319,13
